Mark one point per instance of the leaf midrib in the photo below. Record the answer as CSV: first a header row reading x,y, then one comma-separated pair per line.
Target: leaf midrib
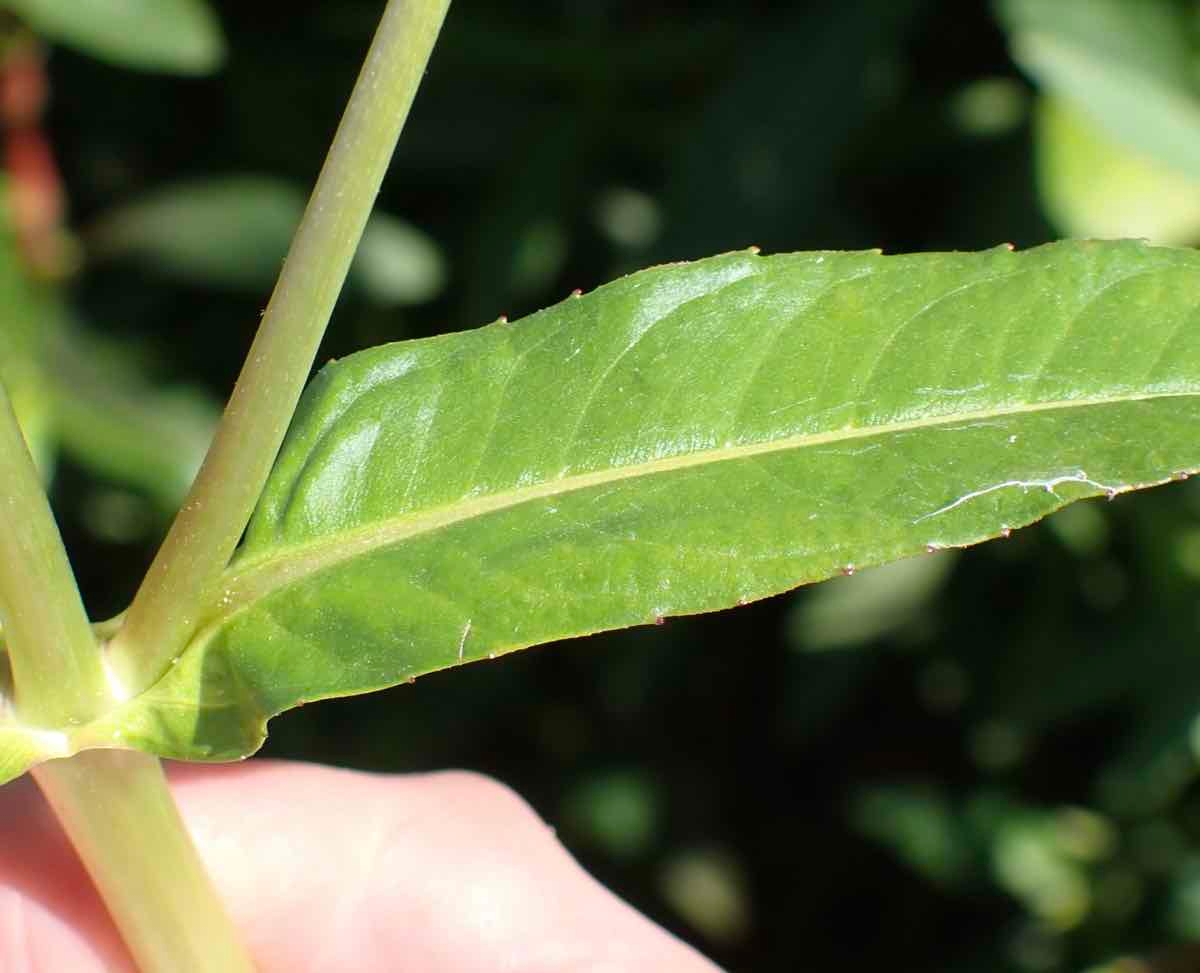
x,y
256,578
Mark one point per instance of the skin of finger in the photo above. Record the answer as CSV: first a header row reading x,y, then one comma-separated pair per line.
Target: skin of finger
x,y
327,868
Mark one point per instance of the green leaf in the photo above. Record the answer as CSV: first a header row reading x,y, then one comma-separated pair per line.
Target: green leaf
x,y
233,232
919,825
21,341
685,439
178,36
849,612
397,264
113,421
1095,187
1127,66
73,390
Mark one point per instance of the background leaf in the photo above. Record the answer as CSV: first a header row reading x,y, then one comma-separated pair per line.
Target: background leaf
x,y
1096,187
234,232
856,610
90,397
1127,66
113,421
19,347
179,36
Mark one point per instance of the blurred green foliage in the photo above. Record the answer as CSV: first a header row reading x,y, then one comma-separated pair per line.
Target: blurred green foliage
x,y
178,36
987,766
233,232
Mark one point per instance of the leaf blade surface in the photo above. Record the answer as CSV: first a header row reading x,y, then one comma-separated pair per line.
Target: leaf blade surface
x,y
684,439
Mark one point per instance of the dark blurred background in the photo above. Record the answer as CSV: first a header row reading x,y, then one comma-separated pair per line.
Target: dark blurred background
x,y
981,761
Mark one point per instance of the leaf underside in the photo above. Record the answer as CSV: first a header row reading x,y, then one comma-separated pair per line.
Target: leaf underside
x,y
685,439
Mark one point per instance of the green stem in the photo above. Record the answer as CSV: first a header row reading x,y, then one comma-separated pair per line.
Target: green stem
x,y
118,812
58,677
114,805
183,582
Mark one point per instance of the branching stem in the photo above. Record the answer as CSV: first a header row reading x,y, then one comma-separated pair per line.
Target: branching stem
x,y
115,805
183,581
57,671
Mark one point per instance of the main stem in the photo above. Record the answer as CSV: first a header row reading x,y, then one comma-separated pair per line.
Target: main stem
x,y
114,805
183,581
58,677
118,811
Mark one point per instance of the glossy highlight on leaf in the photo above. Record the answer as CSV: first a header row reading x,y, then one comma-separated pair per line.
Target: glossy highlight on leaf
x,y
682,440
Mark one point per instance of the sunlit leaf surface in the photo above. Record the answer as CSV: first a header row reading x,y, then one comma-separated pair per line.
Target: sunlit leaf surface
x,y
685,439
